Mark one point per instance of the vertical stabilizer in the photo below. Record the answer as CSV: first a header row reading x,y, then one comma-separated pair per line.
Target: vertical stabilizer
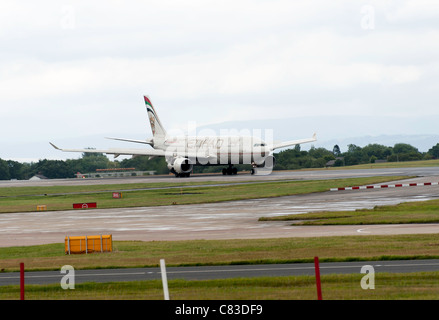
x,y
156,125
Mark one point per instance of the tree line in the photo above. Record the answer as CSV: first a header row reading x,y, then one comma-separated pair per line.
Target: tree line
x,y
320,157
290,159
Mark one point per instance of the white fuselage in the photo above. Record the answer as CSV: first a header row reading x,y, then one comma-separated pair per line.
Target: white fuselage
x,y
212,150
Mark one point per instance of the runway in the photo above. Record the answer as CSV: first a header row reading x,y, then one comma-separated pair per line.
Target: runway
x,y
317,174
225,220
220,272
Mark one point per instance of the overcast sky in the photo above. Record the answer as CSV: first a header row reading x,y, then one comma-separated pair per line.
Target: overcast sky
x,y
80,68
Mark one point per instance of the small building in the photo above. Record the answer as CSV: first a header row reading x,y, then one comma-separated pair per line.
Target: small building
x,y
38,177
331,163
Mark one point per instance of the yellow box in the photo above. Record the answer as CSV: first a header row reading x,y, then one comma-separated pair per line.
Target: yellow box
x,y
89,244
42,207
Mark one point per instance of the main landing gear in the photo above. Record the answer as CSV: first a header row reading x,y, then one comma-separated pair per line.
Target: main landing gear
x,y
255,169
181,174
230,170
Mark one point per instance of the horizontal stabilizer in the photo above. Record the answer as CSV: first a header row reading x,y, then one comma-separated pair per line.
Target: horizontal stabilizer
x,y
150,142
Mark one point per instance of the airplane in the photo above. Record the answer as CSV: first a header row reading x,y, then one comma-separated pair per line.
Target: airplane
x,y
183,152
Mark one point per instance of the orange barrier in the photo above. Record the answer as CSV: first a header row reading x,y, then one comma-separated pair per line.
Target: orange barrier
x,y
89,244
42,207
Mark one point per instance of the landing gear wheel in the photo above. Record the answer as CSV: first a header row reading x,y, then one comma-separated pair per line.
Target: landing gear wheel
x,y
183,174
231,170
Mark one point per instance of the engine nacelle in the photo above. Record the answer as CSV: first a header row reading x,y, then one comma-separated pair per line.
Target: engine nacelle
x,y
182,165
268,162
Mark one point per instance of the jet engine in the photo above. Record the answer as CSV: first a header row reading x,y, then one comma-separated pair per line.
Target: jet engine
x,y
268,163
182,165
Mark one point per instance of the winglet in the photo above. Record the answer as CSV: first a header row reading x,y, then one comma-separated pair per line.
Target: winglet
x,y
54,146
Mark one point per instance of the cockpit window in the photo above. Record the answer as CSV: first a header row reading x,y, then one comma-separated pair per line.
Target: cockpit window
x,y
259,145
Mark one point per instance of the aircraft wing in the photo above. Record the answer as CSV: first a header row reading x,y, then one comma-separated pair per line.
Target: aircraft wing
x,y
117,152
294,142
144,152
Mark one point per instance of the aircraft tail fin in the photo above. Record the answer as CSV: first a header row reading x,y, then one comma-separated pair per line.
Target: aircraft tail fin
x,y
156,125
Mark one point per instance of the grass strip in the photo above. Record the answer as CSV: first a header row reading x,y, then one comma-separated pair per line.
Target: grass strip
x,y
401,164
420,285
50,190
407,212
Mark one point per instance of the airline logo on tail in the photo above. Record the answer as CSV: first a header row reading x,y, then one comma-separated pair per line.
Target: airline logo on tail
x,y
156,126
151,120
149,108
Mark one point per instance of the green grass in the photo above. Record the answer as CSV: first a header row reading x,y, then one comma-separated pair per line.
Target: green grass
x,y
402,164
40,190
422,286
24,199
223,252
408,212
